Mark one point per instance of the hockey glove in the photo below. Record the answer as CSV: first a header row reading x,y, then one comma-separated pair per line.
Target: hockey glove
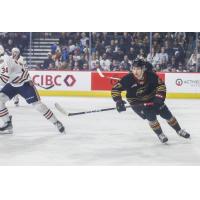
x,y
158,102
120,105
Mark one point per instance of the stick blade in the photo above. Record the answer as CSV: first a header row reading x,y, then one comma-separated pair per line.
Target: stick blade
x,y
60,109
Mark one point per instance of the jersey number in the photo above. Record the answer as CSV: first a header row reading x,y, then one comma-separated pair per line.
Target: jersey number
x,y
4,70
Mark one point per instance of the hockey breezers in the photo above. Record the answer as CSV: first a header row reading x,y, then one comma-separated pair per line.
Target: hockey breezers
x,y
62,110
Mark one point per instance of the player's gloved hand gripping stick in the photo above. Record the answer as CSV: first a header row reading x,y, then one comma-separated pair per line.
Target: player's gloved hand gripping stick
x,y
120,106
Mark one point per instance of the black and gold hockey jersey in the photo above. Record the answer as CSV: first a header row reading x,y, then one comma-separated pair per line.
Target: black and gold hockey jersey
x,y
139,91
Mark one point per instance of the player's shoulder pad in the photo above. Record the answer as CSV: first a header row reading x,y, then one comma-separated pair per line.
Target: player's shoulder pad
x,y
127,80
152,75
127,77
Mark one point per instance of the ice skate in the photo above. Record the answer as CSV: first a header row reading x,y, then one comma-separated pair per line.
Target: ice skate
x,y
7,127
183,133
162,137
60,127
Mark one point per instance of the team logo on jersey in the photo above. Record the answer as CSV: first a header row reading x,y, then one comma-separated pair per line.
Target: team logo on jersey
x,y
140,92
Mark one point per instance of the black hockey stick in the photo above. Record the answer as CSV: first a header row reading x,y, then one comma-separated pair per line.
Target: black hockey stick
x,y
46,88
62,110
108,77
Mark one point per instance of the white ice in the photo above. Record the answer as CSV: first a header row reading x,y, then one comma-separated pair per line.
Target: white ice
x,y
104,138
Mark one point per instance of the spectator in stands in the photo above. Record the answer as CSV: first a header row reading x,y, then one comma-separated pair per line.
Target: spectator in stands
x,y
10,45
85,67
64,58
168,49
141,54
126,41
125,64
76,66
49,63
76,56
114,66
105,63
109,53
163,59
64,54
178,58
70,63
100,47
132,54
84,39
53,48
93,61
71,46
96,66
112,45
194,60
57,58
117,54
110,49
105,38
181,53
173,63
153,58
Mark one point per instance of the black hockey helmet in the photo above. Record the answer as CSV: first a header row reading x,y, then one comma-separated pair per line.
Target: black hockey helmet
x,y
140,63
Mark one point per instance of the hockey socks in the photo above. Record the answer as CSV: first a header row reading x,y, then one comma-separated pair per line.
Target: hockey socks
x,y
45,111
174,124
155,126
157,129
48,114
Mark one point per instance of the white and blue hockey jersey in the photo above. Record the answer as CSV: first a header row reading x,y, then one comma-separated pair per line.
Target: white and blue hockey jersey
x,y
13,72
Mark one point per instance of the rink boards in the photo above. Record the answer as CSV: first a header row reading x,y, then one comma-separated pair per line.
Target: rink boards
x,y
90,84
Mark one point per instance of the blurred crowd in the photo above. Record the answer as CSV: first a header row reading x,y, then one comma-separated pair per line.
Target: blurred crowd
x,y
14,39
115,51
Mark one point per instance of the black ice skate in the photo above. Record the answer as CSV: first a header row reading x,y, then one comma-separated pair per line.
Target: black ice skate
x,y
7,128
162,137
60,127
183,133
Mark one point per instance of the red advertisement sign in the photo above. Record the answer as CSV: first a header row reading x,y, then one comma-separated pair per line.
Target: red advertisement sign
x,y
99,83
103,83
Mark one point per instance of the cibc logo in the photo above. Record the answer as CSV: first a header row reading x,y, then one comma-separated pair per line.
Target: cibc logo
x,y
179,82
69,80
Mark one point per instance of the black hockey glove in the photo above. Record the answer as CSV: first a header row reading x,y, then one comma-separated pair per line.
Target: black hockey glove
x,y
158,102
120,105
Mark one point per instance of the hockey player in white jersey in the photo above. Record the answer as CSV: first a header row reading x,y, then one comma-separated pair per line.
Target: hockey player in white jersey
x,y
20,60
19,82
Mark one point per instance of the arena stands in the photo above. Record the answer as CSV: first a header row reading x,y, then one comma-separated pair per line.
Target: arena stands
x,y
110,51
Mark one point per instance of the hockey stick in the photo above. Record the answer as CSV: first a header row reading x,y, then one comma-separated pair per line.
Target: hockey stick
x,y
46,88
103,76
62,110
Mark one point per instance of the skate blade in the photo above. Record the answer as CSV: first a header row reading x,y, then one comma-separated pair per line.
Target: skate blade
x,y
7,132
164,141
63,132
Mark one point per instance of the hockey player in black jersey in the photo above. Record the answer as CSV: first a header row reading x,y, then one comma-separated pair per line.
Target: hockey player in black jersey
x,y
146,94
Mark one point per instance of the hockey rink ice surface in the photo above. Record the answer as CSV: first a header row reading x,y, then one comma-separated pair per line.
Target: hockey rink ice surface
x,y
104,138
